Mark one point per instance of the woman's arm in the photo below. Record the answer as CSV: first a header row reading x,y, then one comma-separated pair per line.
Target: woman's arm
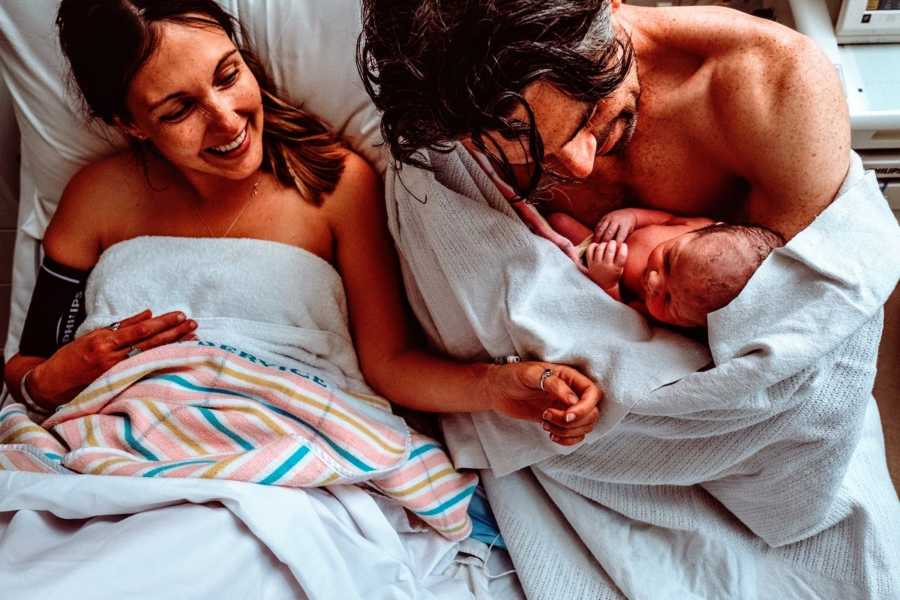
x,y
56,379
52,374
390,346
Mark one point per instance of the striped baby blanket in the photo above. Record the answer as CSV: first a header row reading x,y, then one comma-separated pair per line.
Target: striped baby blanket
x,y
199,409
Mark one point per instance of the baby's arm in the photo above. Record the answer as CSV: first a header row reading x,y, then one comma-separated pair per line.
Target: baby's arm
x,y
606,262
539,225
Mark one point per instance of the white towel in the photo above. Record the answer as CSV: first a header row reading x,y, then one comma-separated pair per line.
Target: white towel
x,y
779,438
278,302
484,286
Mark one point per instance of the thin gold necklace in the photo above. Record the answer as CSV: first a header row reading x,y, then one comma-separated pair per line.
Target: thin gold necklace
x,y
239,215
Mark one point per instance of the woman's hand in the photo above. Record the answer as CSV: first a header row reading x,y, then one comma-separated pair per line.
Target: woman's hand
x,y
564,400
77,364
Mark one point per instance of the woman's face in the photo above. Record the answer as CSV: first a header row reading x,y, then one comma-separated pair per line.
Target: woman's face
x,y
198,103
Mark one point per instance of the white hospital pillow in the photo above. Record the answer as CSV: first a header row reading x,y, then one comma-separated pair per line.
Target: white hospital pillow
x,y
309,47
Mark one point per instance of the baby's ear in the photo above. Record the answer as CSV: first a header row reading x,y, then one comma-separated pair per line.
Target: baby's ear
x,y
653,281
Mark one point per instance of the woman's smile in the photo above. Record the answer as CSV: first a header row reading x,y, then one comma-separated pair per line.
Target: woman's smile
x,y
234,148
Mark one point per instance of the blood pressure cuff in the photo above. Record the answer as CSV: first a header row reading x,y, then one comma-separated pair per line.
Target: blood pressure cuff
x,y
56,310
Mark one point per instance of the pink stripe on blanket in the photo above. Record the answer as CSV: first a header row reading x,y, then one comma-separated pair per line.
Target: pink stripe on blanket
x,y
190,410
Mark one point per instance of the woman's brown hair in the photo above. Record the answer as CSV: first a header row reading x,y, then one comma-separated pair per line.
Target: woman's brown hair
x,y
107,41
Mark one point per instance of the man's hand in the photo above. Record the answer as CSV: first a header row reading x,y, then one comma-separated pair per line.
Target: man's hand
x,y
540,226
606,262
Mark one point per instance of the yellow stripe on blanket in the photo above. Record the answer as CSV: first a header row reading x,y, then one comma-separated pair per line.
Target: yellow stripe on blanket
x,y
196,410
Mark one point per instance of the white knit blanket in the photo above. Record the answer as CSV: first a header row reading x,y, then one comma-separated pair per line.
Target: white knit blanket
x,y
761,476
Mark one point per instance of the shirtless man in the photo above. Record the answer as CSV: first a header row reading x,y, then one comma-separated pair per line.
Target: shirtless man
x,y
694,111
719,113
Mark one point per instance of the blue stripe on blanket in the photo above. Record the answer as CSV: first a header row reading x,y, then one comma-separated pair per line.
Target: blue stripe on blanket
x,y
341,451
157,470
133,442
199,388
211,417
285,466
344,453
10,410
457,498
421,450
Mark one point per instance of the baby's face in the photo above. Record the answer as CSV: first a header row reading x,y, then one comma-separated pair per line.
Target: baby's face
x,y
663,285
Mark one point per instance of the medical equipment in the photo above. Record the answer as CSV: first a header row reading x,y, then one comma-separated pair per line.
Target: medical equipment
x,y
868,70
868,21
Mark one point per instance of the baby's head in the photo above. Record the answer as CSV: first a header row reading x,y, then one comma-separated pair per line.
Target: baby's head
x,y
696,273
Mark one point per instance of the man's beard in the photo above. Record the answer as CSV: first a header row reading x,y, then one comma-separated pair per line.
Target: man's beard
x,y
550,179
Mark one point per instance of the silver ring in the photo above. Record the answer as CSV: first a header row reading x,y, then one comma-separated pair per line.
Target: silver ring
x,y
114,326
547,374
506,360
133,351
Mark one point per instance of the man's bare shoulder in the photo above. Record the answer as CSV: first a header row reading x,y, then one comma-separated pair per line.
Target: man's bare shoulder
x,y
773,69
707,31
776,100
767,103
736,50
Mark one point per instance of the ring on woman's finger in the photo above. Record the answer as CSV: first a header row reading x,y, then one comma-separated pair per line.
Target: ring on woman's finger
x,y
114,326
547,374
133,351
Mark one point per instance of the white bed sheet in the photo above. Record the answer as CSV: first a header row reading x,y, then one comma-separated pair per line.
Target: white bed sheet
x,y
105,537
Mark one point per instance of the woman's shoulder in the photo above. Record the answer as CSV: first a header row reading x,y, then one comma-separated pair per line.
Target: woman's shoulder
x,y
89,203
359,182
112,175
356,204
358,175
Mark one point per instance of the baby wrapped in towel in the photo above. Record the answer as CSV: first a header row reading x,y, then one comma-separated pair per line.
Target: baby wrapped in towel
x,y
673,269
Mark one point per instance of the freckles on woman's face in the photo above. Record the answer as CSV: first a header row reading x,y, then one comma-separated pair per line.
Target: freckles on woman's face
x,y
198,103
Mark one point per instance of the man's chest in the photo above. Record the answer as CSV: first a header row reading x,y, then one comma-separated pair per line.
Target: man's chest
x,y
669,165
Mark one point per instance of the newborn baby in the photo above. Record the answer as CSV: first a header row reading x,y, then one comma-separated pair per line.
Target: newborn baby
x,y
674,269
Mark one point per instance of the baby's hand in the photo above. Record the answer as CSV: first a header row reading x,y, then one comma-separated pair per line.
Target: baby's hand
x,y
615,225
606,262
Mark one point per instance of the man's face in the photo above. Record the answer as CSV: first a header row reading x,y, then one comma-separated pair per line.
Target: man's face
x,y
575,134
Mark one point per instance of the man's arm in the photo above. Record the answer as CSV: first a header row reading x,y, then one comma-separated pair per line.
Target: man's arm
x,y
784,122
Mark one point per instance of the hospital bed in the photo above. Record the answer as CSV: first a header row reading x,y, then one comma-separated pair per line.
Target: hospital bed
x,y
102,537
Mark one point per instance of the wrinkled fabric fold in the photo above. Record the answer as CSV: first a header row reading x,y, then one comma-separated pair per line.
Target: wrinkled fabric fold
x,y
768,462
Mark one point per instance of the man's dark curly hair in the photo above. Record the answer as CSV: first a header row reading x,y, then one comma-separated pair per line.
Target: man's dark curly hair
x,y
443,70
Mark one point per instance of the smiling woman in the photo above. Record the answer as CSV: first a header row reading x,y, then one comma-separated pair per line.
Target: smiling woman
x,y
217,155
210,108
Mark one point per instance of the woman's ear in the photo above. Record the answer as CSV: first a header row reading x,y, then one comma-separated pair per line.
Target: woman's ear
x,y
129,129
615,5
